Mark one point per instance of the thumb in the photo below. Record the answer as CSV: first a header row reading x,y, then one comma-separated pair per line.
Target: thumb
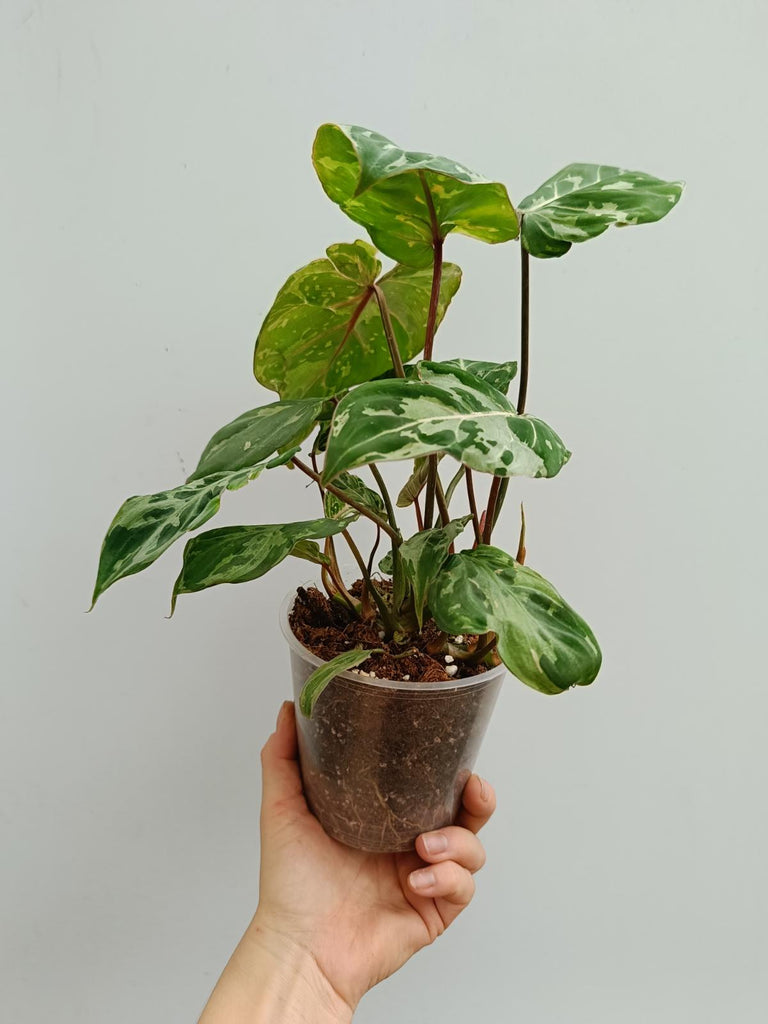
x,y
280,775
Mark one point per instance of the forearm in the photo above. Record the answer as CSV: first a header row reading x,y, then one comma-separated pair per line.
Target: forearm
x,y
269,979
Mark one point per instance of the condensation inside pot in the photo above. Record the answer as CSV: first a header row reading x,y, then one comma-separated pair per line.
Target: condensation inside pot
x,y
382,764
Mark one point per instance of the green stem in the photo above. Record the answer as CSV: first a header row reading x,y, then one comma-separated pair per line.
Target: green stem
x,y
396,565
386,617
349,500
429,496
389,333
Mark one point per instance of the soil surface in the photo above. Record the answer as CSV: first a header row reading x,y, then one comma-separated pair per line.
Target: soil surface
x,y
327,629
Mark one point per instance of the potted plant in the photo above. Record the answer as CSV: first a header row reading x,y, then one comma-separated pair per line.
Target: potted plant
x,y
396,667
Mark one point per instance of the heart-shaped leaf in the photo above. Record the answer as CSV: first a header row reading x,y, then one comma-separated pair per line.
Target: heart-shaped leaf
x,y
447,410
323,675
422,557
390,191
237,554
583,200
258,433
541,639
324,333
147,524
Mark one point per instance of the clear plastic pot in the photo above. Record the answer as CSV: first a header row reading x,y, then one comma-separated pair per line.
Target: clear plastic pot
x,y
383,760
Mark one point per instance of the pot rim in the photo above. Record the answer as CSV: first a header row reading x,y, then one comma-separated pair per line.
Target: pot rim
x,y
388,684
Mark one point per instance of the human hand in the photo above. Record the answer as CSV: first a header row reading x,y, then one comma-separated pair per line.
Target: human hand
x,y
340,918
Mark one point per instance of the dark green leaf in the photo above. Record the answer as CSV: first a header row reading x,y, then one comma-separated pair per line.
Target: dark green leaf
x,y
583,200
423,556
257,434
323,675
237,554
381,186
541,639
324,333
448,410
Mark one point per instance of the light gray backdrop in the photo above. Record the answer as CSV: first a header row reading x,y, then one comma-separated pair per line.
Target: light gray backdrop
x,y
156,191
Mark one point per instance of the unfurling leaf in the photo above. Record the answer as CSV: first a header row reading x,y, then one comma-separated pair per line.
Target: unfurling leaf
x,y
382,187
422,557
324,332
541,639
583,200
323,675
237,554
446,410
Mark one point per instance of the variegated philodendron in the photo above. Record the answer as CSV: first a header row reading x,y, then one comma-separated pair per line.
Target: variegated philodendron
x,y
340,346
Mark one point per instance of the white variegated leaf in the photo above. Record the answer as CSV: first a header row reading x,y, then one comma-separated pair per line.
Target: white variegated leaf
x,y
147,524
237,554
583,200
258,433
541,639
422,557
446,410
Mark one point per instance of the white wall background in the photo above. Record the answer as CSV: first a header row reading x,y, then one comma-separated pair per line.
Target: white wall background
x,y
156,191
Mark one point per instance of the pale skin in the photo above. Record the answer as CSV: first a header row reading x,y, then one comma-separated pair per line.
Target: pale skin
x,y
332,922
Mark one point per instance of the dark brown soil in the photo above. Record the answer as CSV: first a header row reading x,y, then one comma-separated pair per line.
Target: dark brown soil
x,y
327,629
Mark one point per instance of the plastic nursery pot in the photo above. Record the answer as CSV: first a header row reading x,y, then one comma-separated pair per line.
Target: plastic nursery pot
x,y
384,760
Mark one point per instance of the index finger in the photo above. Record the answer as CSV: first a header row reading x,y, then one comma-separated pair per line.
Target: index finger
x,y
478,802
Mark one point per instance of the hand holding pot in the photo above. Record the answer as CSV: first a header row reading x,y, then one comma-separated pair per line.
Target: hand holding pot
x,y
333,921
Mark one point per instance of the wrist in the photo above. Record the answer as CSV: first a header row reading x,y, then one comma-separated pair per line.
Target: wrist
x,y
273,977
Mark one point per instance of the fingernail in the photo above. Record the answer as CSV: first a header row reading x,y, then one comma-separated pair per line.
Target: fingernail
x,y
435,842
281,712
422,879
483,788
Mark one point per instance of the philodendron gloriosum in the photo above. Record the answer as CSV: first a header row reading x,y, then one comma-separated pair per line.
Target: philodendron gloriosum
x,y
340,347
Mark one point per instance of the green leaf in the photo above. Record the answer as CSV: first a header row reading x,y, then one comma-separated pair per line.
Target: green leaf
x,y
147,524
381,186
324,333
257,434
356,489
498,375
541,639
387,563
583,200
447,410
414,485
423,556
237,554
323,675
310,552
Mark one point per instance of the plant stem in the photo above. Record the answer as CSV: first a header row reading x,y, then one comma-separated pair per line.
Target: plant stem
x,y
442,505
498,492
349,500
490,512
384,493
396,566
522,393
389,333
473,505
386,617
437,269
417,510
429,497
